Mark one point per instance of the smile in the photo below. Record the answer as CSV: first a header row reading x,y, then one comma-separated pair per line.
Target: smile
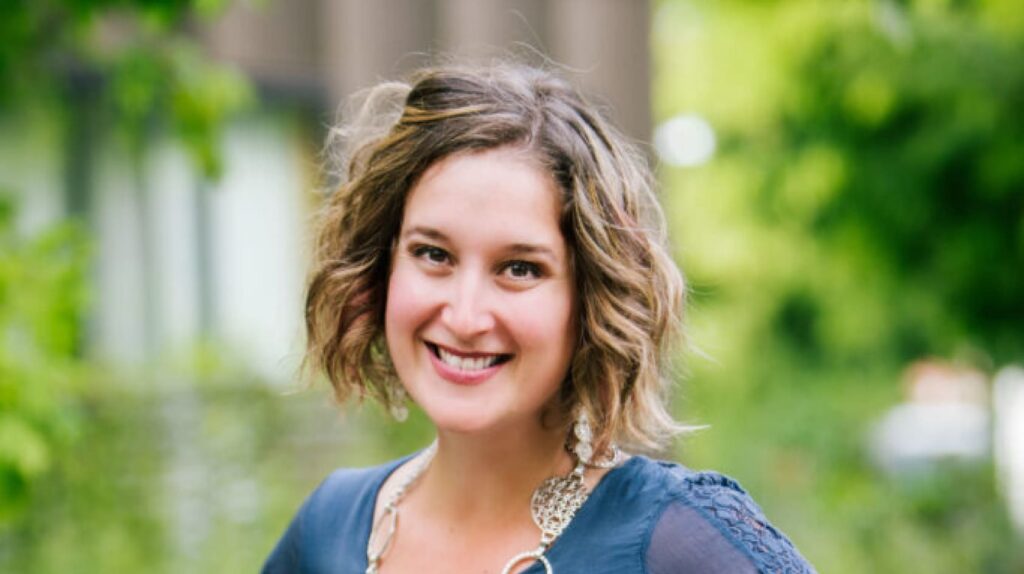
x,y
467,361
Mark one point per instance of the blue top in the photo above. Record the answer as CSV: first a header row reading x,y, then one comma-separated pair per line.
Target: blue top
x,y
645,516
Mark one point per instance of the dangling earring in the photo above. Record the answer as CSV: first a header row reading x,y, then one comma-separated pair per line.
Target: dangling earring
x,y
584,448
397,407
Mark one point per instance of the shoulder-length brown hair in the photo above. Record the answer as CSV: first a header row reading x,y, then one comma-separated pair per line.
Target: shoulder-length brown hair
x,y
630,291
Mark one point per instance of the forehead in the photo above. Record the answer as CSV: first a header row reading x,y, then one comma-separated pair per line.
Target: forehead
x,y
494,194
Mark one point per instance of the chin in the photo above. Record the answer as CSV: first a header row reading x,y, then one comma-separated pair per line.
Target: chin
x,y
465,422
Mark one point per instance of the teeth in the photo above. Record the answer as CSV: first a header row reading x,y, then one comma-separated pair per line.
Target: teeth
x,y
466,363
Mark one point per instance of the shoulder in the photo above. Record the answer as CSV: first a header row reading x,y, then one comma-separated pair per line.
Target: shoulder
x,y
707,522
346,487
332,524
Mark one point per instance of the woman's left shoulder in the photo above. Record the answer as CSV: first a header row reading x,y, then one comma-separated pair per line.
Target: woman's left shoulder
x,y
707,522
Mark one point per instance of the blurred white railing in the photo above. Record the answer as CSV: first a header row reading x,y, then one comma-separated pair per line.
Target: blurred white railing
x,y
1008,432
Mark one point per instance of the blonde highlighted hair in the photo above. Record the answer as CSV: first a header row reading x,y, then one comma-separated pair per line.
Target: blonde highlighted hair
x,y
630,291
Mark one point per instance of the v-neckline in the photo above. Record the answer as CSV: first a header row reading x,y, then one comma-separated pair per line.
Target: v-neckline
x,y
582,515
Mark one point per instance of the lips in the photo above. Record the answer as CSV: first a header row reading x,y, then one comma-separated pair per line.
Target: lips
x,y
464,368
467,361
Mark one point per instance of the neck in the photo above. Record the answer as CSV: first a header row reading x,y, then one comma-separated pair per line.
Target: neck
x,y
492,476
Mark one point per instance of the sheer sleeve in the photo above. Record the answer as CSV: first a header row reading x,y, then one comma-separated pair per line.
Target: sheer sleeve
x,y
713,526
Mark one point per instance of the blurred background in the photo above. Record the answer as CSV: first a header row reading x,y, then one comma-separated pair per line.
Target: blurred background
x,y
845,188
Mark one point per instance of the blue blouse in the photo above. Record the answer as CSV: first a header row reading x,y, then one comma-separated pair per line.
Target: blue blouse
x,y
645,516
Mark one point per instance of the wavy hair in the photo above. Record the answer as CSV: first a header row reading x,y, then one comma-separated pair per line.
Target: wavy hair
x,y
630,291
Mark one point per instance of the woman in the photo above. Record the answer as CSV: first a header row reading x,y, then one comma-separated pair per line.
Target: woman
x,y
496,253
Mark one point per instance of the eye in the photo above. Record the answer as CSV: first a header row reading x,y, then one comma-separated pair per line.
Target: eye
x,y
431,254
521,270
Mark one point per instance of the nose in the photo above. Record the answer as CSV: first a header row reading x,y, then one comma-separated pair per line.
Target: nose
x,y
467,313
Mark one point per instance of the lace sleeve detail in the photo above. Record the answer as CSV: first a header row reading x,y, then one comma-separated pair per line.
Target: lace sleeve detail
x,y
712,525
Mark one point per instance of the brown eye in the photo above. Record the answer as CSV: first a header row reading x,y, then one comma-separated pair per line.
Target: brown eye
x,y
522,270
431,254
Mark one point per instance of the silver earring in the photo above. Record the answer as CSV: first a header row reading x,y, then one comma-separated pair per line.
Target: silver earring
x,y
584,448
398,409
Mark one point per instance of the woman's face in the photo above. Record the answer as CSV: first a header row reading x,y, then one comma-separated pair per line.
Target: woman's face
x,y
480,308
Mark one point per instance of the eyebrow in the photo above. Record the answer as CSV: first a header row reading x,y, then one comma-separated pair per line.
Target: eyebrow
x,y
428,232
531,249
515,248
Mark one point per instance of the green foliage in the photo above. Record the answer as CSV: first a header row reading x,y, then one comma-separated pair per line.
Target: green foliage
x,y
42,298
149,69
865,209
57,57
200,477
880,149
926,120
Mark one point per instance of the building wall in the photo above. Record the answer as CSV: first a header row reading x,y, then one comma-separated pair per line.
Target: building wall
x,y
341,46
179,260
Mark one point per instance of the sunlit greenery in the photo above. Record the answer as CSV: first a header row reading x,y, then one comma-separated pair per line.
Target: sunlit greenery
x,y
42,297
77,473
134,60
865,209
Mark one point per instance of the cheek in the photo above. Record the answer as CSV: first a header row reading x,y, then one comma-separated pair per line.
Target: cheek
x,y
400,306
549,321
411,302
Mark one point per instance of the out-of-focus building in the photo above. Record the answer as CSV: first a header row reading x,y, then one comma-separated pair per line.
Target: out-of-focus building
x,y
945,416
950,415
179,259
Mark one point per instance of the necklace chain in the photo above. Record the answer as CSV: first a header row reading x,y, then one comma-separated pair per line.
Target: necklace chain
x,y
389,517
553,506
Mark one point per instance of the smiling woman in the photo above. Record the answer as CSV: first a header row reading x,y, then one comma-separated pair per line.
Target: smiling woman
x,y
497,253
479,318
